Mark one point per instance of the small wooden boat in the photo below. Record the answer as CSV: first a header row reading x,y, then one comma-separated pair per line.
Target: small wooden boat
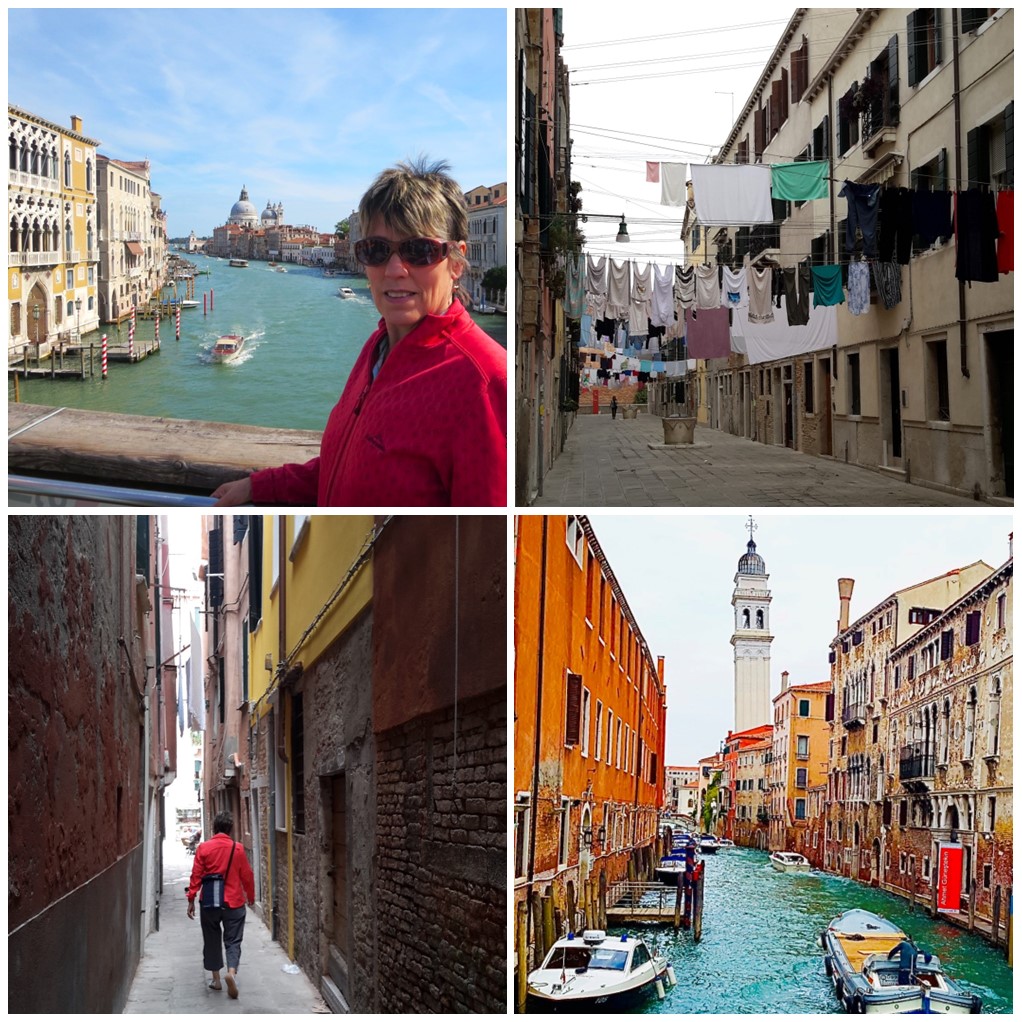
x,y
595,971
790,862
346,292
876,970
228,347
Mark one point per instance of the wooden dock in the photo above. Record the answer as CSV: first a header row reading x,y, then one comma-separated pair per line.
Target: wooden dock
x,y
640,901
186,455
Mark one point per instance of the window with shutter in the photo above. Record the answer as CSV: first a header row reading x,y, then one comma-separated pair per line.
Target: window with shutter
x,y
573,707
972,622
1009,145
947,644
255,572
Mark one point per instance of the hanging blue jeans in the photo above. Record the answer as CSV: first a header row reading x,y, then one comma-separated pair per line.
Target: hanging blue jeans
x,y
863,206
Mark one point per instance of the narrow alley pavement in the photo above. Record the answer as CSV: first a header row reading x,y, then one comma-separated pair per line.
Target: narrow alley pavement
x,y
609,463
170,977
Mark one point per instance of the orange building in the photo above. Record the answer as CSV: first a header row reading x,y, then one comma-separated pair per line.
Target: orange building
x,y
735,743
590,708
801,744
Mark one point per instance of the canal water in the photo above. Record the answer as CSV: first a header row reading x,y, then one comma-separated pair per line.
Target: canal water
x,y
301,342
760,950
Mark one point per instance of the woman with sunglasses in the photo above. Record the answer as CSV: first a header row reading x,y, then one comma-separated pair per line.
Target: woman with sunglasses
x,y
422,419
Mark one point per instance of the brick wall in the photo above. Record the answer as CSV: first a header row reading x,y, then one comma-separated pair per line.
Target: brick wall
x,y
442,837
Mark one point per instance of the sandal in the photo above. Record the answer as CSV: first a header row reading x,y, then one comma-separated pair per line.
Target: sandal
x,y
213,986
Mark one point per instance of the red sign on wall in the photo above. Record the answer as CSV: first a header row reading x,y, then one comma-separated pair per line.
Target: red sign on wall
x,y
949,877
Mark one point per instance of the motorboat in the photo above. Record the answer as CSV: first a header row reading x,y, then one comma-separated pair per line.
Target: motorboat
x,y
726,842
594,971
708,844
240,263
876,969
346,292
279,269
228,347
790,862
671,870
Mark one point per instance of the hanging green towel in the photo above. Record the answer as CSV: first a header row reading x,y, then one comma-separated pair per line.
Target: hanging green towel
x,y
827,288
799,182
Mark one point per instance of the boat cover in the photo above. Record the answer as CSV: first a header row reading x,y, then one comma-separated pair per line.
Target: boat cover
x,y
858,949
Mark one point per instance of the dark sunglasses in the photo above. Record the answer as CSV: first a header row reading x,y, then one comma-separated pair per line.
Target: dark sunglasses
x,y
413,251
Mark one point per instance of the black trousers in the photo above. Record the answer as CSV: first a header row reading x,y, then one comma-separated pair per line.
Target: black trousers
x,y
232,921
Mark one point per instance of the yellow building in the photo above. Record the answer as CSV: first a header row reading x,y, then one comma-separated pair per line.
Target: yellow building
x,y
314,580
53,241
801,745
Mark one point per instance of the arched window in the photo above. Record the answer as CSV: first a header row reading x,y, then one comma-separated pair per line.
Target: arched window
x,y
88,175
34,159
67,170
745,618
53,161
970,724
880,779
54,238
25,236
994,718
88,238
13,147
23,156
15,234
759,619
37,237
68,239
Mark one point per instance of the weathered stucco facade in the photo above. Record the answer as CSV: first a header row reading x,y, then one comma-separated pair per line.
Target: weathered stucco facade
x,y
79,632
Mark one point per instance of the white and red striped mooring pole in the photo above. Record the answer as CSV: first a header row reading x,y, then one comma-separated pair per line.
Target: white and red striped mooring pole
x,y
103,356
177,324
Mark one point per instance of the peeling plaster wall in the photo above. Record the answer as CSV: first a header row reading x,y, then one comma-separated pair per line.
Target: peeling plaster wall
x,y
75,738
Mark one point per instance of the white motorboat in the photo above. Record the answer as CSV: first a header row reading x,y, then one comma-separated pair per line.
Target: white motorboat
x,y
582,973
346,292
228,347
790,862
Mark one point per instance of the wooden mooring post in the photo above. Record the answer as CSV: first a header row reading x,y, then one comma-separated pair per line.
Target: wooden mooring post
x,y
522,946
697,902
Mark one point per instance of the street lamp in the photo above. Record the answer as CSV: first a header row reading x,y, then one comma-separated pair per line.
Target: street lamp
x,y
78,309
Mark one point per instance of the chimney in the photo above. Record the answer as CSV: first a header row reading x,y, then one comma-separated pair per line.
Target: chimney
x,y
844,589
76,124
784,681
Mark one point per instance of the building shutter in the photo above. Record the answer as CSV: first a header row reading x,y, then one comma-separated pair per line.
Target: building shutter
x,y
240,527
831,656
941,184
759,126
1009,144
978,141
947,644
973,17
894,104
913,74
255,572
216,565
828,713
938,38
972,628
573,717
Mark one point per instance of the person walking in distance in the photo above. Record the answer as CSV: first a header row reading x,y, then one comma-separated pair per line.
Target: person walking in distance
x,y
223,880
613,407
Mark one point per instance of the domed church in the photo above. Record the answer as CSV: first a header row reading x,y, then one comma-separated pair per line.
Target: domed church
x,y
243,212
273,215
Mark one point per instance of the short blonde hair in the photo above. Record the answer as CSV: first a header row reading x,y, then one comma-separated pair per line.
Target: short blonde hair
x,y
418,199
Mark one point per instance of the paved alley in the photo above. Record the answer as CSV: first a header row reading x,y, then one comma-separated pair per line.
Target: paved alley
x,y
609,463
170,977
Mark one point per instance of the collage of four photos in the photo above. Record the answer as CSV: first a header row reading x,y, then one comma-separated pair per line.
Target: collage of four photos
x,y
711,499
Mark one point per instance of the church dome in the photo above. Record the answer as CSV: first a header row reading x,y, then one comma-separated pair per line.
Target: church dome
x,y
243,211
750,563
269,215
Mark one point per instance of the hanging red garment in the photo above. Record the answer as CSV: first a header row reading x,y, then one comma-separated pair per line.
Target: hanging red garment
x,y
1006,227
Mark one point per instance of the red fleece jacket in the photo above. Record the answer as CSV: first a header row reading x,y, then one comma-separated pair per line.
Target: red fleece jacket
x,y
212,856
429,431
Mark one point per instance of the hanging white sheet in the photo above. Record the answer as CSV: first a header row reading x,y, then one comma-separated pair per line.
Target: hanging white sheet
x,y
729,194
764,342
672,184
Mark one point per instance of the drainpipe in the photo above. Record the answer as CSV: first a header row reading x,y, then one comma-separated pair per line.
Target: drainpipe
x,y
958,181
534,802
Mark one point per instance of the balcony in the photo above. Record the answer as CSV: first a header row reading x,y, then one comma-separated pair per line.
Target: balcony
x,y
878,125
853,715
33,258
915,766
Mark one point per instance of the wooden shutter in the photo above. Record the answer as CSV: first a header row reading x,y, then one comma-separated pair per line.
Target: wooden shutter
x,y
782,96
255,571
894,104
938,38
1009,144
759,126
913,64
979,156
947,645
828,713
573,716
972,628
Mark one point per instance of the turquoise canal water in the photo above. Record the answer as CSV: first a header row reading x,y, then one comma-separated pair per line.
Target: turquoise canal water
x,y
760,951
302,341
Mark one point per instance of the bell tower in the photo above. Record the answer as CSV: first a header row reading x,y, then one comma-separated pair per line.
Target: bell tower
x,y
751,638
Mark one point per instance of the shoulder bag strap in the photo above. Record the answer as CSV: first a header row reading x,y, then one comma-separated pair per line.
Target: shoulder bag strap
x,y
227,872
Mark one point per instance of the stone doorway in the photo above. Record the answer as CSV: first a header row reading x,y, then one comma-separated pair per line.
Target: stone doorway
x,y
335,984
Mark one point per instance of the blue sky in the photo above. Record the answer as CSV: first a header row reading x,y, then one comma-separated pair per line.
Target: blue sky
x,y
304,107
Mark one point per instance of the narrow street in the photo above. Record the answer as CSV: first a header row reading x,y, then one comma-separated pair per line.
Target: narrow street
x,y
170,977
609,463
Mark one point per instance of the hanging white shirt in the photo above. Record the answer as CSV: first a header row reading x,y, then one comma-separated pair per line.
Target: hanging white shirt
x,y
661,311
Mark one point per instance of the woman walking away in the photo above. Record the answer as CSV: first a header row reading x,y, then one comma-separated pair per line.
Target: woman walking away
x,y
613,407
223,880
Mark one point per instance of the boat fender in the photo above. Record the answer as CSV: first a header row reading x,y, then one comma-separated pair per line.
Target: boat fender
x,y
839,988
823,938
828,965
858,1005
661,994
975,1004
672,979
